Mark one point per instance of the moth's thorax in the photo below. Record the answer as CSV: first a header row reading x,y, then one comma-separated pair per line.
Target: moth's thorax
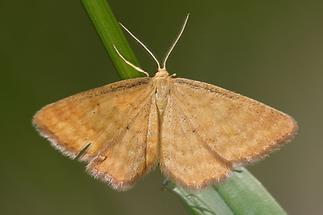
x,y
162,85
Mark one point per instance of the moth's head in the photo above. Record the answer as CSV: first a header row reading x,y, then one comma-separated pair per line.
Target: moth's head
x,y
162,73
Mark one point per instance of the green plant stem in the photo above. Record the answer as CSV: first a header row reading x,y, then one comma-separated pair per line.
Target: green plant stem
x,y
241,193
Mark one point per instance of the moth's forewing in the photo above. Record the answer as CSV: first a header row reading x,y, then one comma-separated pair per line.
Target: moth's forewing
x,y
99,117
207,130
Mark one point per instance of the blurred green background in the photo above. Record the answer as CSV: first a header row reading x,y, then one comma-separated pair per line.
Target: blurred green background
x,y
268,50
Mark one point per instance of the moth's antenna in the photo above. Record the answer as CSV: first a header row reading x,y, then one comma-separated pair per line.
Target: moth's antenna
x,y
175,42
129,63
142,44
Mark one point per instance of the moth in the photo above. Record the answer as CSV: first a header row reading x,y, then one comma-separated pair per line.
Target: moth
x,y
196,132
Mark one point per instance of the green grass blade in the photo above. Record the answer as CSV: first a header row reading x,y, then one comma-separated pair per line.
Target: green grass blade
x,y
241,193
206,201
244,194
108,28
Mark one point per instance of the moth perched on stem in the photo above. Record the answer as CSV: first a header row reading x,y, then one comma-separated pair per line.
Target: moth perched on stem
x,y
195,131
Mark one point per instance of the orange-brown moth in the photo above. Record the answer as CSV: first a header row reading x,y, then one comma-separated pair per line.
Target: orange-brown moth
x,y
196,132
